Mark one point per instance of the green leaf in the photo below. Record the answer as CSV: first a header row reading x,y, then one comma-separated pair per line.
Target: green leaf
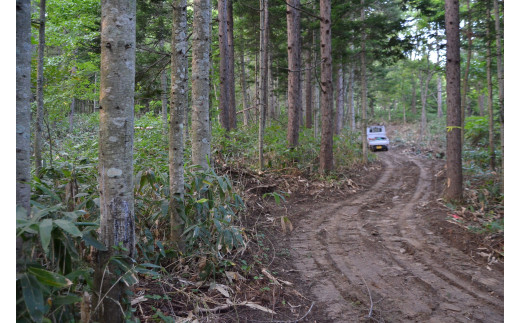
x,y
68,227
45,233
91,241
49,278
33,297
202,201
161,248
66,299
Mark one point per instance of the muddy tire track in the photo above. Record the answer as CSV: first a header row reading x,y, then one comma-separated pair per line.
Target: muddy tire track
x,y
375,254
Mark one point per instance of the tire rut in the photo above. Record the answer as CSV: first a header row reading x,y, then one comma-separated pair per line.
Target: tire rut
x,y
377,243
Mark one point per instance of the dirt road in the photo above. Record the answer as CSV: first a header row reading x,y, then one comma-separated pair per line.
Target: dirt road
x,y
378,256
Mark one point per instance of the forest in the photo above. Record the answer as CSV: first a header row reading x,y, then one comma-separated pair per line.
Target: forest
x,y
208,160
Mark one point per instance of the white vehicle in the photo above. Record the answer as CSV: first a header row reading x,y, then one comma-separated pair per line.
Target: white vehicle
x,y
377,139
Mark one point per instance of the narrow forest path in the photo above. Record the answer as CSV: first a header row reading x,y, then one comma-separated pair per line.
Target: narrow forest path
x,y
379,253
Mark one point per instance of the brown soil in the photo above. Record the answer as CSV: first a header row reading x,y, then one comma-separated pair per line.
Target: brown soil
x,y
386,253
373,245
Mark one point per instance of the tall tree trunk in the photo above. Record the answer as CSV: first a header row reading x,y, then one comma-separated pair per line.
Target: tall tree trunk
x,y
465,84
270,86
200,135
454,145
164,98
23,107
363,85
224,62
350,98
326,153
308,90
414,96
179,104
339,100
425,83
264,23
491,120
500,74
481,100
116,138
294,91
39,93
440,114
245,98
231,66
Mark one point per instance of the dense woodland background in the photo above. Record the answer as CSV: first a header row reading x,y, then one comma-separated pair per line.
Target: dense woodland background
x,y
276,102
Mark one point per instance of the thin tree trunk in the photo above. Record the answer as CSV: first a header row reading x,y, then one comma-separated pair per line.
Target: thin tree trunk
x,y
440,113
23,108
308,90
425,83
164,98
231,67
201,135
71,114
453,138
339,100
490,93
350,98
465,84
294,91
224,62
500,74
327,126
481,100
245,98
264,23
39,93
414,96
179,104
116,134
363,85
270,87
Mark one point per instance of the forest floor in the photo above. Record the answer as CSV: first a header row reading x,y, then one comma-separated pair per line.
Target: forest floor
x,y
380,246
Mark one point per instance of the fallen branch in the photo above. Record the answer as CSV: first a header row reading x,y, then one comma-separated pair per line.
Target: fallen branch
x,y
370,296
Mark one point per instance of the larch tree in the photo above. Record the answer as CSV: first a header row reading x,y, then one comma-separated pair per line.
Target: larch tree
x,y
453,100
200,129
500,73
326,153
465,82
308,89
224,62
243,86
23,105
264,25
363,77
39,92
350,98
491,128
231,66
179,104
116,143
339,99
164,96
293,52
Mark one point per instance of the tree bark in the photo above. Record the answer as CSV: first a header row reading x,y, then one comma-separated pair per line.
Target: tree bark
x,y
39,93
500,74
440,113
465,84
491,120
270,87
164,98
201,135
23,106
224,62
264,22
231,66
326,153
294,91
350,98
453,138
179,104
364,85
116,134
339,100
245,98
414,96
308,90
